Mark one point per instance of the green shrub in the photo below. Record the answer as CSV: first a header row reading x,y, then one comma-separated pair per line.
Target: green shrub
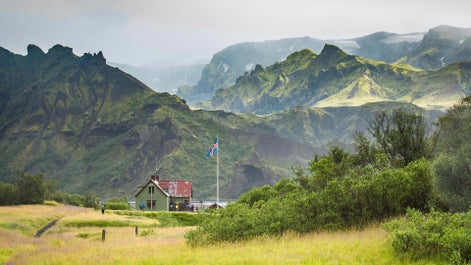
x,y
353,200
8,194
98,223
117,205
433,234
166,219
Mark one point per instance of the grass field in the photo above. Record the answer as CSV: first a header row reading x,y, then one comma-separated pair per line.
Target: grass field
x,y
77,239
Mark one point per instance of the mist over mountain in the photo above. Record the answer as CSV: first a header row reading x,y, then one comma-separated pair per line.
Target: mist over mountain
x,y
441,46
165,78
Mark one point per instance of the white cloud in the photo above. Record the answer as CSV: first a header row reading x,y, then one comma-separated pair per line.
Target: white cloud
x,y
137,32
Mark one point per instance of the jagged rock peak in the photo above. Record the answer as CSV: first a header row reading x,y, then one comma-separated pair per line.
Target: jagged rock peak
x,y
34,51
96,59
258,68
302,53
332,49
60,50
331,54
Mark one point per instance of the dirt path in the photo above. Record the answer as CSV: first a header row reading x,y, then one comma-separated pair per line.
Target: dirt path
x,y
45,228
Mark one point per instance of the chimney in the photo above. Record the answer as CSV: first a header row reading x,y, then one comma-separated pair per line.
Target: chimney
x,y
155,178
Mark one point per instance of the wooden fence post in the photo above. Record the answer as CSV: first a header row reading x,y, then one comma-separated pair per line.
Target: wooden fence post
x,y
137,231
103,234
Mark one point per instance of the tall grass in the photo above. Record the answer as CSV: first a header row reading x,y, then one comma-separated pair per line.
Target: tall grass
x,y
166,245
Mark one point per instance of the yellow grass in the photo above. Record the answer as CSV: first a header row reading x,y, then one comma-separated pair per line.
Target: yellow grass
x,y
68,245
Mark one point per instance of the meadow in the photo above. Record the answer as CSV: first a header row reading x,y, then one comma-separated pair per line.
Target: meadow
x,y
77,239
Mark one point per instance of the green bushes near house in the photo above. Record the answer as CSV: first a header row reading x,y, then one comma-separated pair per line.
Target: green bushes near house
x,y
166,219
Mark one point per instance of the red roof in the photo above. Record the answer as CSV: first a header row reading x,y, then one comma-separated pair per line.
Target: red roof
x,y
177,188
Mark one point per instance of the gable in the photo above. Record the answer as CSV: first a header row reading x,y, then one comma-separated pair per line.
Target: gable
x,y
154,184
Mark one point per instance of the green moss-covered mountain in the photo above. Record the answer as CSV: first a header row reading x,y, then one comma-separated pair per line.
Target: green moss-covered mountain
x,y
96,129
333,78
439,47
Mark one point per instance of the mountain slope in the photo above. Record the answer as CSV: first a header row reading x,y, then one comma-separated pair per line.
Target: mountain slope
x,y
441,46
95,129
334,78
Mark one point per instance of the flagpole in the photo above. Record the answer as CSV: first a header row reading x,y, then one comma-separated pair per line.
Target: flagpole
x,y
217,173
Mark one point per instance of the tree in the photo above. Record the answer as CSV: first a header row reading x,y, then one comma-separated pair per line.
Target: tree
x,y
8,194
322,170
31,188
51,187
452,165
365,152
401,135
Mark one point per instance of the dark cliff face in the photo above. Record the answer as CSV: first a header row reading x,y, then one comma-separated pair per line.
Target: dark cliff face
x,y
71,117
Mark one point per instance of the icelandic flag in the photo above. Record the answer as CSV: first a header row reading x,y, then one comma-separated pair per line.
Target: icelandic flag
x,y
214,149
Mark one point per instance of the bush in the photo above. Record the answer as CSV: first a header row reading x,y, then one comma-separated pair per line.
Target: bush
x,y
419,235
8,194
354,200
73,199
117,205
167,219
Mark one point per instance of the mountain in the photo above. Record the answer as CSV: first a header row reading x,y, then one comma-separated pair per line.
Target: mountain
x,y
441,46
95,129
333,78
231,62
381,46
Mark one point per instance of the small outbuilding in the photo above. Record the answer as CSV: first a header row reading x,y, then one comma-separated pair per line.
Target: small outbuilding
x,y
164,195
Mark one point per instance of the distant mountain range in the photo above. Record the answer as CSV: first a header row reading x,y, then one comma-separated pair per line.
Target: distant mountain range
x,y
439,47
333,78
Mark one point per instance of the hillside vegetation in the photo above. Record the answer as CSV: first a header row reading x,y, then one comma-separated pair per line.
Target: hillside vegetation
x,y
334,78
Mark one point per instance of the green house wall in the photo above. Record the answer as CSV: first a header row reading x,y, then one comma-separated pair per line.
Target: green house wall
x,y
162,202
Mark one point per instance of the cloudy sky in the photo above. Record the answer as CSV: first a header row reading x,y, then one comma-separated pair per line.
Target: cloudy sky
x,y
139,32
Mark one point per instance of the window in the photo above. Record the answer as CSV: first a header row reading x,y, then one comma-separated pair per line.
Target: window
x,y
153,204
151,189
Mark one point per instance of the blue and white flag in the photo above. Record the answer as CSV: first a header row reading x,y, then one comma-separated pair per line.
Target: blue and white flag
x,y
214,149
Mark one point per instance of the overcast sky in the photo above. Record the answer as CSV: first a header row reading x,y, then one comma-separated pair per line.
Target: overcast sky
x,y
138,32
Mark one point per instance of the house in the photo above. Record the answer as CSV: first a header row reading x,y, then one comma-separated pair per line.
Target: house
x,y
164,195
